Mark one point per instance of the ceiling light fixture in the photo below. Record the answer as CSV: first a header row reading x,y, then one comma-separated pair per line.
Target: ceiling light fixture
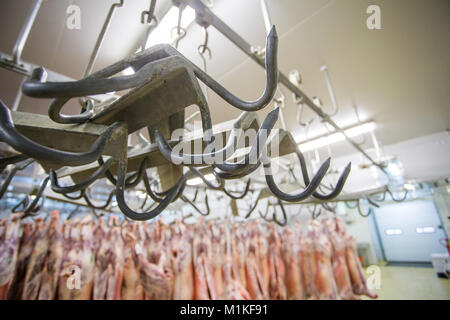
x,y
162,33
336,137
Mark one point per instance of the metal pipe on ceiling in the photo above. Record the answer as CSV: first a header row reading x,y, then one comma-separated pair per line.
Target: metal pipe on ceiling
x,y
205,17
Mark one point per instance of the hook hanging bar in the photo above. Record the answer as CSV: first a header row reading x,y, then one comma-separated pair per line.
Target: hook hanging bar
x,y
206,17
324,69
150,14
101,37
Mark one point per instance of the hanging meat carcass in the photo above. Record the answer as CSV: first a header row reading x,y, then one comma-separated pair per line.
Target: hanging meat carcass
x,y
154,264
53,260
277,286
340,268
131,284
9,247
88,259
354,265
182,263
33,276
256,283
205,286
77,270
291,257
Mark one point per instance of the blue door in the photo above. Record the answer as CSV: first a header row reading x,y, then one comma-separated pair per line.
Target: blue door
x,y
410,231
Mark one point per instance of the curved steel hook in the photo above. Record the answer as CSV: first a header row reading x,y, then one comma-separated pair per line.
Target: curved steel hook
x,y
364,215
82,185
257,148
203,158
274,215
96,83
195,207
30,208
120,196
242,195
70,215
372,202
401,199
99,82
351,206
137,176
15,139
339,185
239,174
315,214
308,191
4,162
220,183
99,207
11,174
75,197
327,207
25,201
149,190
250,211
271,79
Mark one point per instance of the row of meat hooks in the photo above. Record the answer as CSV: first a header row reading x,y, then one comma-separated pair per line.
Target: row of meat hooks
x,y
149,65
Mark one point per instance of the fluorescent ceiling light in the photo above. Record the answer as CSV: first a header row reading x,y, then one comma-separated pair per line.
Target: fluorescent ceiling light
x,y
409,186
162,33
336,137
197,180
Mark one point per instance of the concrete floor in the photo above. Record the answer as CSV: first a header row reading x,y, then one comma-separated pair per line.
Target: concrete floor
x,y
411,282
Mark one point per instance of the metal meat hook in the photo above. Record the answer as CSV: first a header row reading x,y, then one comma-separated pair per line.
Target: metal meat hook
x,y
82,185
146,63
32,206
11,174
207,212
274,214
256,149
127,211
15,139
204,158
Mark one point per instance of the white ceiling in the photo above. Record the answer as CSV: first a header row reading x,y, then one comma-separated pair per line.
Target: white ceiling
x,y
397,76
